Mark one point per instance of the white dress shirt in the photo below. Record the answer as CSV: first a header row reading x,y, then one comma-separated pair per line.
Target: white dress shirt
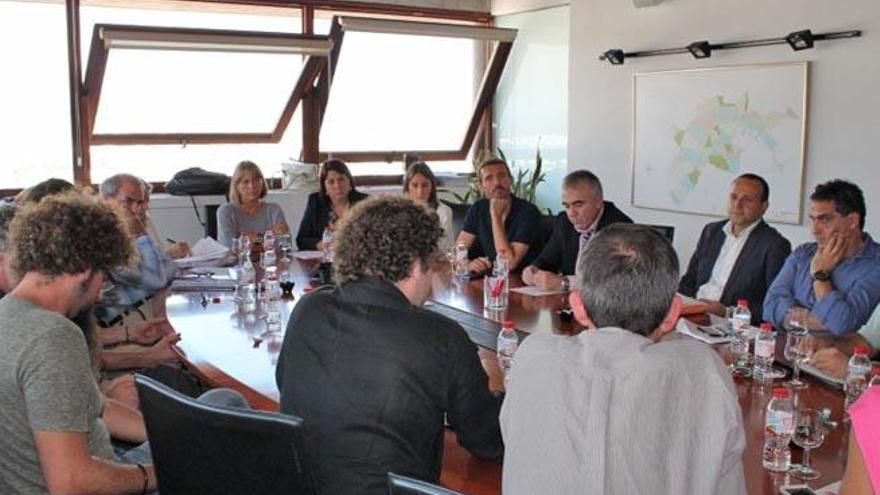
x,y
727,257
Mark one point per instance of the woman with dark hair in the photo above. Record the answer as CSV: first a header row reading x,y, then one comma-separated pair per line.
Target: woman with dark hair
x,y
326,207
420,185
247,213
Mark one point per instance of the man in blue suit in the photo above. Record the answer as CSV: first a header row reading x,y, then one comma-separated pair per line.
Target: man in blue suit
x,y
737,258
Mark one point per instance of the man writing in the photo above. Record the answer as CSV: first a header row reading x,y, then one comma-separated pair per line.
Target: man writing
x,y
614,409
737,258
500,222
52,438
155,270
837,277
370,371
586,212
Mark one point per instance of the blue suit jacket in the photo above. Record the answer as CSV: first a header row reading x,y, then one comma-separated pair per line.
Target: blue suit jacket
x,y
757,265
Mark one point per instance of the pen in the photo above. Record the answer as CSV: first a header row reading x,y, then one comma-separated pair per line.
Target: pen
x,y
172,241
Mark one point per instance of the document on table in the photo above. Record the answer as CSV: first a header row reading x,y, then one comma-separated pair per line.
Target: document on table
x,y
198,284
708,334
531,290
206,249
309,255
812,370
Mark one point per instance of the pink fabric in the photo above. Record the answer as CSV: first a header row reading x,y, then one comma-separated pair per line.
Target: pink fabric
x,y
865,414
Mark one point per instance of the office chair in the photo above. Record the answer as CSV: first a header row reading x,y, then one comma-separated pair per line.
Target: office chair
x,y
666,231
402,485
202,448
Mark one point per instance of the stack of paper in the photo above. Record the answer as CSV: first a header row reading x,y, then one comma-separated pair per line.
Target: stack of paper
x,y
205,250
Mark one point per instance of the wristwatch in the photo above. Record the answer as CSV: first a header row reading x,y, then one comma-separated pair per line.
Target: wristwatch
x,y
566,285
821,276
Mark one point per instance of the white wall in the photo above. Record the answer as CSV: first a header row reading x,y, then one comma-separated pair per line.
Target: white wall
x,y
504,7
843,132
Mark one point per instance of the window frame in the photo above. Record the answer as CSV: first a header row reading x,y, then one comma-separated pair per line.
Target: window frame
x,y
480,114
98,63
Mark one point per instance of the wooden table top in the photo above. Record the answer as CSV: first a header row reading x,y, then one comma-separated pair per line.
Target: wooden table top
x,y
230,349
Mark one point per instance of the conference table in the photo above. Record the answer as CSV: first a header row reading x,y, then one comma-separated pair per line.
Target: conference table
x,y
227,347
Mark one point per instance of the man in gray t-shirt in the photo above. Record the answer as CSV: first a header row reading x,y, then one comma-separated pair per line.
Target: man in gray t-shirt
x,y
52,438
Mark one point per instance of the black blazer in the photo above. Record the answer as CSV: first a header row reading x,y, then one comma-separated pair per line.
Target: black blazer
x,y
315,218
754,270
560,253
372,376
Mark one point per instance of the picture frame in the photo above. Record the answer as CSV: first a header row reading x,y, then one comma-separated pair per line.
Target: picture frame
x,y
695,130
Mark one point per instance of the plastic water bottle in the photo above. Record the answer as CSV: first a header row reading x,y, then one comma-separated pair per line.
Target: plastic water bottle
x,y
327,244
765,349
269,257
875,378
460,263
272,294
778,428
508,342
857,373
269,240
742,317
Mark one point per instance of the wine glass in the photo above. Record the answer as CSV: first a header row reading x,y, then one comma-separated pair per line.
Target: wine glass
x,y
809,433
798,349
285,245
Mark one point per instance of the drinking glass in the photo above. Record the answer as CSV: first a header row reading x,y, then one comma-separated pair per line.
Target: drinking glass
x,y
809,433
739,346
495,291
285,245
798,349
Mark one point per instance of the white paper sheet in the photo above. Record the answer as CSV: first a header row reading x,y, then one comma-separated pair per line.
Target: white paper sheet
x,y
308,255
531,290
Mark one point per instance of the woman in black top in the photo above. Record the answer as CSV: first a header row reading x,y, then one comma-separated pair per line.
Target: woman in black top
x,y
336,197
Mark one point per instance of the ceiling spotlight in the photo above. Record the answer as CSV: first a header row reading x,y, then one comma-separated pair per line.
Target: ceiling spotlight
x,y
615,56
700,49
800,40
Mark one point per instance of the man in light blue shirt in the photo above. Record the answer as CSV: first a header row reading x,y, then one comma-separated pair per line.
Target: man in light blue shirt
x,y
155,270
837,277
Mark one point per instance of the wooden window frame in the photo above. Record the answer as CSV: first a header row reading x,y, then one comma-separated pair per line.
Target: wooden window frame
x,y
479,117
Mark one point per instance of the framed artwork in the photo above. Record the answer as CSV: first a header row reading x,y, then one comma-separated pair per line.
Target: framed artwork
x,y
696,130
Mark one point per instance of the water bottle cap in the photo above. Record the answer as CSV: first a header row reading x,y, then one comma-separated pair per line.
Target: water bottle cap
x,y
742,302
766,327
861,350
780,393
507,324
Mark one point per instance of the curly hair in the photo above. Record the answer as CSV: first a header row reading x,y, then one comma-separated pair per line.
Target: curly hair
x,y
67,234
382,237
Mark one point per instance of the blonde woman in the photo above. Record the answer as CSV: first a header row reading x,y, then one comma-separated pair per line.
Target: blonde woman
x,y
247,213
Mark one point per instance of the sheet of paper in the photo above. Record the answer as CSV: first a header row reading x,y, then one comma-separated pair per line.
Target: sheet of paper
x,y
308,255
829,489
691,329
810,369
531,290
203,250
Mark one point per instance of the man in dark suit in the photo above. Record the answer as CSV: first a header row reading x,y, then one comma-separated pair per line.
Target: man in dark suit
x,y
586,212
737,258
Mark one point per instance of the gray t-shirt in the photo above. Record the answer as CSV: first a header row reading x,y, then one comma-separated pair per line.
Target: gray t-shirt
x,y
46,384
232,221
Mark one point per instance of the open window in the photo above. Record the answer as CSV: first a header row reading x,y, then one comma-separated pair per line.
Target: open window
x,y
206,86
400,86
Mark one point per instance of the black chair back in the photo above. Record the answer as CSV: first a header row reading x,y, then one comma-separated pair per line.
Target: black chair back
x,y
402,485
666,231
202,448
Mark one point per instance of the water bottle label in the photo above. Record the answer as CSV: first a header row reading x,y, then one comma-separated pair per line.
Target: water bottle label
x,y
765,348
780,423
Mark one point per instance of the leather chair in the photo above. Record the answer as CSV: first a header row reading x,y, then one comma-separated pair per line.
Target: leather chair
x,y
202,448
666,231
402,485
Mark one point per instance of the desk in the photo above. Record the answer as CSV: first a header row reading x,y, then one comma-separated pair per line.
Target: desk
x,y
228,349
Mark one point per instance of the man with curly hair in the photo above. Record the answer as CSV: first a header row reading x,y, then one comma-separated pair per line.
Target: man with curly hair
x,y
370,371
52,438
